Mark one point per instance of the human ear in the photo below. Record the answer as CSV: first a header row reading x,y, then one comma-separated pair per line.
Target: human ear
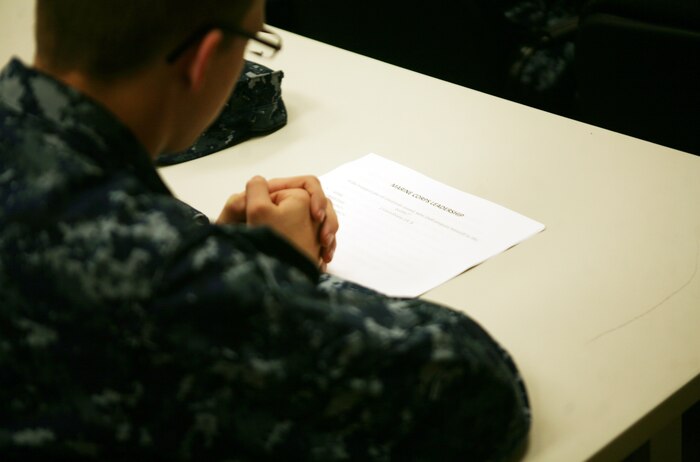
x,y
200,62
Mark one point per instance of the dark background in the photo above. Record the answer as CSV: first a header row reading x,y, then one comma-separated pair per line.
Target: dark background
x,y
632,66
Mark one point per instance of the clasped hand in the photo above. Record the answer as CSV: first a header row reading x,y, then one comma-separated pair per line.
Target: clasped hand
x,y
296,208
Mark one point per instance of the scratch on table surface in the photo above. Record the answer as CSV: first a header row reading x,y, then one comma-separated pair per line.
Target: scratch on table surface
x,y
657,305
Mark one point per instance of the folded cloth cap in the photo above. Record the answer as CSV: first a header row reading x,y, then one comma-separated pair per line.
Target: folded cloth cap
x,y
255,108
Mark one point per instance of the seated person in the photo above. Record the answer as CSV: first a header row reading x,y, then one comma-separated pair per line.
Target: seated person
x,y
131,329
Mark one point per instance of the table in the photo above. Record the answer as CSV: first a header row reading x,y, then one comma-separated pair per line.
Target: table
x,y
600,311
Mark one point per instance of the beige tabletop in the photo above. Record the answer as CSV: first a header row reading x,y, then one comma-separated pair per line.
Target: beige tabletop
x,y
600,311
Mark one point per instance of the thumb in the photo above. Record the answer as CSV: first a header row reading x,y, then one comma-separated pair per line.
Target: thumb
x,y
233,211
258,201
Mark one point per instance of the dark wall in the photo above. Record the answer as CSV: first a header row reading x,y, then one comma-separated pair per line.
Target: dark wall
x,y
456,40
536,52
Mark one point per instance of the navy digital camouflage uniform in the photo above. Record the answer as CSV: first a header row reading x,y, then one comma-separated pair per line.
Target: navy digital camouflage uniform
x,y
131,330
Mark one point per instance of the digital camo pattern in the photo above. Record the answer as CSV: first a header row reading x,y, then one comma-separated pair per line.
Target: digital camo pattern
x,y
255,108
542,70
131,331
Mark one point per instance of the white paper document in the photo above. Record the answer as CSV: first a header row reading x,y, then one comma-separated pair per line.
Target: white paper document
x,y
402,233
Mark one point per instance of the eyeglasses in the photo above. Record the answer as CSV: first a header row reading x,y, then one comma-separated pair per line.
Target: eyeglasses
x,y
265,43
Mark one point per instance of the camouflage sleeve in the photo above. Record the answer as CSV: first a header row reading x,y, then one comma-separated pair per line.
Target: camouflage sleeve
x,y
242,355
264,364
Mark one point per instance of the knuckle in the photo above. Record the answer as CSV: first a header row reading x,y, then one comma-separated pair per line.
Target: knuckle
x,y
312,180
300,195
256,210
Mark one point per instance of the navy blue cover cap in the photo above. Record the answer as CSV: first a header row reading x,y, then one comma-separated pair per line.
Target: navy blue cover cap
x,y
255,108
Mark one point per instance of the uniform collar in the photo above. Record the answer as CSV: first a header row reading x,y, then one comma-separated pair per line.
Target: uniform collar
x,y
90,128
